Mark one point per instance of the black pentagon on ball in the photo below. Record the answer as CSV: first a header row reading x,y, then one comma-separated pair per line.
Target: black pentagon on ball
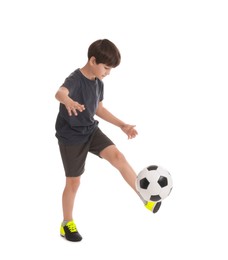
x,y
155,197
163,181
144,183
152,167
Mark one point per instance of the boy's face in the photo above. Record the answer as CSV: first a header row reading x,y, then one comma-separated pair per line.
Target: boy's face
x,y
100,70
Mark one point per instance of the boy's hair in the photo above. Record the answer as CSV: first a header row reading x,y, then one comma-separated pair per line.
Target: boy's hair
x,y
105,52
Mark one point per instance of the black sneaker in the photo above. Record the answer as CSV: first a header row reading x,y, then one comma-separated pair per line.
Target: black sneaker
x,y
70,232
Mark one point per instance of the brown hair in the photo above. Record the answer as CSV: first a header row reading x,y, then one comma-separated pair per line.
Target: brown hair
x,y
105,52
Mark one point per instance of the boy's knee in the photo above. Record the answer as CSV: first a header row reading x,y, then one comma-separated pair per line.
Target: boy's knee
x,y
73,183
118,157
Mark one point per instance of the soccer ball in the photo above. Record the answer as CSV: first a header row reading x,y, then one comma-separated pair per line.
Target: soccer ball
x,y
154,183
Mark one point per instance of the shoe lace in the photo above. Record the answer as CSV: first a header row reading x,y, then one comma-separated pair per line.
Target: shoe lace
x,y
72,227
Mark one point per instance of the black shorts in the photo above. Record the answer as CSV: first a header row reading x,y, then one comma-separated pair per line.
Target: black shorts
x,y
74,156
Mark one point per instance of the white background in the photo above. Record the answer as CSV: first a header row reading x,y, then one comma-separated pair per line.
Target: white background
x,y
171,83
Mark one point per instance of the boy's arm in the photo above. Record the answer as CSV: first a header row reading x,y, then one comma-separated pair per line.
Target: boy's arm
x,y
62,95
103,113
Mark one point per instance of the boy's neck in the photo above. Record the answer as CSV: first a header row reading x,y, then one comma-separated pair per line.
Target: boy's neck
x,y
86,71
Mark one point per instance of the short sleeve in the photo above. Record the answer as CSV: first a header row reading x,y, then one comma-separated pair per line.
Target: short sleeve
x,y
71,82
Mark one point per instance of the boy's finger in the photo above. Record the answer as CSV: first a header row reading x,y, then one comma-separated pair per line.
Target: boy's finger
x,y
74,111
69,111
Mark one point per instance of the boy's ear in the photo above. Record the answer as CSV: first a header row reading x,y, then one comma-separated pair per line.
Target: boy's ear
x,y
92,60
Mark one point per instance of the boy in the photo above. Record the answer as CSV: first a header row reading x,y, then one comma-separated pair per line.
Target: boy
x,y
78,133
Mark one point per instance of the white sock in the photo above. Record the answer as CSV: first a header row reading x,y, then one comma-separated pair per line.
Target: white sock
x,y
64,222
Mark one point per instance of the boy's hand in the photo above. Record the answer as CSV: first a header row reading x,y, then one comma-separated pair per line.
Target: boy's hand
x,y
129,130
73,106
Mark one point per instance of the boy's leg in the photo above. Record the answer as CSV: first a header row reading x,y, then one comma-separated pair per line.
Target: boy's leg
x,y
68,197
73,157
118,160
68,228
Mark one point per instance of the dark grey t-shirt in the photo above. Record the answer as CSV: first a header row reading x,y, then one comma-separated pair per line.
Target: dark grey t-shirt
x,y
77,129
